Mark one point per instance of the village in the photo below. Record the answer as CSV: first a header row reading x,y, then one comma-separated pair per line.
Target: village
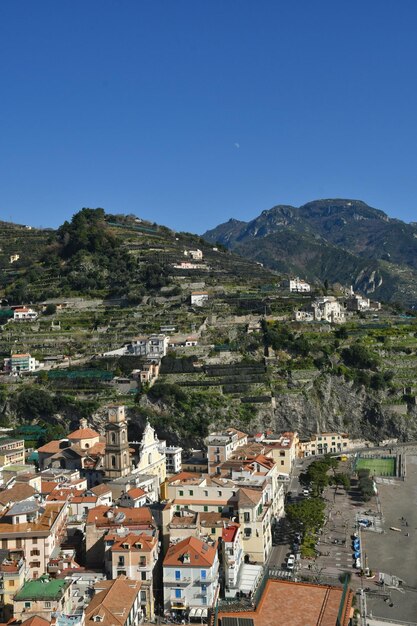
x,y
98,528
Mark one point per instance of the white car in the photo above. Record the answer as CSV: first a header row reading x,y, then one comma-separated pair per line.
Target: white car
x,y
291,561
306,492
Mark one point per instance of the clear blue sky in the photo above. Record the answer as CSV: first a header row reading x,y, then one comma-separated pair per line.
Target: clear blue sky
x,y
189,112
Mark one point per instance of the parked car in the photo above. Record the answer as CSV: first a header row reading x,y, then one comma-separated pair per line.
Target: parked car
x,y
291,561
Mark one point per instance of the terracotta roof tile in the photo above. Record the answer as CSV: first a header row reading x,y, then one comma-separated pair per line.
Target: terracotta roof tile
x,y
19,491
112,601
200,553
84,433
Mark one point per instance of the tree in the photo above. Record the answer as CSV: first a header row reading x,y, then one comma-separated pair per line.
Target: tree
x,y
307,515
50,309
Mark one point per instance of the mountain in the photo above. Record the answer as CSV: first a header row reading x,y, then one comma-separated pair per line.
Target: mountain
x,y
336,240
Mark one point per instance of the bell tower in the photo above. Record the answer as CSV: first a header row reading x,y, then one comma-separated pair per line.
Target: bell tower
x,y
117,456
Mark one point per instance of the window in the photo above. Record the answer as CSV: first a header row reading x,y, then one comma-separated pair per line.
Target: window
x,y
191,492
113,460
121,561
143,575
282,462
11,583
206,493
113,437
47,605
178,593
205,508
219,509
35,541
143,596
219,493
203,574
177,574
181,492
204,600
28,605
246,517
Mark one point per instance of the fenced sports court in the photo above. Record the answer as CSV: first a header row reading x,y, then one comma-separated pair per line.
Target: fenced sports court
x,y
377,466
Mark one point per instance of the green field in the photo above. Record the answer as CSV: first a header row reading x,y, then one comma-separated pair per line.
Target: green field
x,y
377,466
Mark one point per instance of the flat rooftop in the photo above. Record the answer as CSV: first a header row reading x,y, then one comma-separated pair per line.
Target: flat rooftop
x,y
285,603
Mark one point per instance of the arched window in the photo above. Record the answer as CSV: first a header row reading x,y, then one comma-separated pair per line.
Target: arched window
x,y
149,458
123,436
113,437
125,459
113,460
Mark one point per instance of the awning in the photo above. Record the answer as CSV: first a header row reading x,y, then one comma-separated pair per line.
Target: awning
x,y
198,613
249,577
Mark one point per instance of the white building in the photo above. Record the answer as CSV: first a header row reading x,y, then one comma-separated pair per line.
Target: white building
x,y
232,557
191,577
297,285
326,309
196,255
24,314
21,363
173,459
199,298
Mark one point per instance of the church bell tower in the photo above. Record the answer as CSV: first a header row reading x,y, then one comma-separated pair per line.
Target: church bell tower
x,y
117,456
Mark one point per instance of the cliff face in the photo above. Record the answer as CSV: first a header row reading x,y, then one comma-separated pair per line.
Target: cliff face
x,y
332,404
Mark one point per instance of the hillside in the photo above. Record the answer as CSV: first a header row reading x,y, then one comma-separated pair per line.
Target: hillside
x,y
109,278
335,240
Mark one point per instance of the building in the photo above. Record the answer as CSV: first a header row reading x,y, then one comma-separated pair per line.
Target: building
x,y
151,458
12,451
201,493
284,603
172,458
357,303
232,557
115,603
134,555
13,572
42,597
134,498
102,520
221,446
297,285
85,437
191,577
35,530
324,443
14,257
18,363
196,255
326,309
283,449
199,298
117,454
23,313
152,347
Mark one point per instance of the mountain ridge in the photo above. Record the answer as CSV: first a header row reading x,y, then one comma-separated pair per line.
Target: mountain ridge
x,y
380,251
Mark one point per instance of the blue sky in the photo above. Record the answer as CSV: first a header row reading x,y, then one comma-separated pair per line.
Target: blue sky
x,y
189,112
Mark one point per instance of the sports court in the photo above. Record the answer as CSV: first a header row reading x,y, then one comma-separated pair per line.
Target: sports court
x,y
377,466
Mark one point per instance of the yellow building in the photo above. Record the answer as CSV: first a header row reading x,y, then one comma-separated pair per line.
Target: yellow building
x,y
12,576
324,443
12,451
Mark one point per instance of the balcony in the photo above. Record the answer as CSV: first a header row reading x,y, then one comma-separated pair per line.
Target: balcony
x,y
185,580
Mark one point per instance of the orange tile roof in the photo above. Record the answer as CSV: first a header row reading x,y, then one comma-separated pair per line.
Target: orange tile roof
x,y
99,516
298,604
36,621
112,601
184,476
136,492
229,533
100,490
84,433
52,447
147,542
248,496
200,552
48,486
19,491
42,525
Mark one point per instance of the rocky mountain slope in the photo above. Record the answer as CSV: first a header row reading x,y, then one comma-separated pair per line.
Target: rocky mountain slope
x,y
334,240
